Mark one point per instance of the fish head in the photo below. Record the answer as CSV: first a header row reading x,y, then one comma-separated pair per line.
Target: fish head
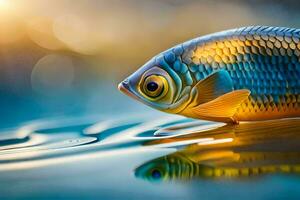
x,y
155,84
168,168
154,171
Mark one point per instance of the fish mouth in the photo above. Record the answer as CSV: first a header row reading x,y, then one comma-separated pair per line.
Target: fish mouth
x,y
125,88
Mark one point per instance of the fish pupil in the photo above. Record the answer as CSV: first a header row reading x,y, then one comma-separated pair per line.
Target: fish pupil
x,y
156,174
152,86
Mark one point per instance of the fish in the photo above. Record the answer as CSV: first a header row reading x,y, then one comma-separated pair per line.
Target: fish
x,y
243,74
179,167
255,149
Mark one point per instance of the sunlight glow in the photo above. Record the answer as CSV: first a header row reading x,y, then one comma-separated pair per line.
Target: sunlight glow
x,y
4,3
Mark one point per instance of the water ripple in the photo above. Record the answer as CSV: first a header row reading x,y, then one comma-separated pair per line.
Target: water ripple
x,y
49,139
61,140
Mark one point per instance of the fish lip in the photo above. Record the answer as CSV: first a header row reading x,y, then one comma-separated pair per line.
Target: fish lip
x,y
124,87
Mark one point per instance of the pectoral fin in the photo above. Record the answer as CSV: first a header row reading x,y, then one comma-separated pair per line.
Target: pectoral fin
x,y
215,85
224,106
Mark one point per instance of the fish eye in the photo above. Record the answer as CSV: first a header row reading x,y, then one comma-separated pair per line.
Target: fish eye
x,y
155,86
156,174
152,86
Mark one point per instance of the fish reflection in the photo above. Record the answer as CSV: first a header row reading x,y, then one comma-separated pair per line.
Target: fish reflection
x,y
254,149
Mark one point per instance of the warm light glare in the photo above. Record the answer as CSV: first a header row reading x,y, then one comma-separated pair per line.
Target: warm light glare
x,y
4,3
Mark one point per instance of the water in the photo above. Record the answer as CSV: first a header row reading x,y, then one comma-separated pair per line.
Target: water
x,y
149,156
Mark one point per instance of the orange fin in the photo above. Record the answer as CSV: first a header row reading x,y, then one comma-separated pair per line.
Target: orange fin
x,y
215,85
222,107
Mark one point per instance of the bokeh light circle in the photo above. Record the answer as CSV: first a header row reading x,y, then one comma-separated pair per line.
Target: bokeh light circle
x,y
77,33
52,74
40,31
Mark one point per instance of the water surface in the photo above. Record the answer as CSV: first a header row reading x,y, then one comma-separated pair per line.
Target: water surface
x,y
150,156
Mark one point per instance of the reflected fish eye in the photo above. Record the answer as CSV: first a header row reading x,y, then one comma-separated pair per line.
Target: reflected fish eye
x,y
156,174
155,86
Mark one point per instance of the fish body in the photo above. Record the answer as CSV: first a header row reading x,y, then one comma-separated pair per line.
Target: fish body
x,y
179,167
245,74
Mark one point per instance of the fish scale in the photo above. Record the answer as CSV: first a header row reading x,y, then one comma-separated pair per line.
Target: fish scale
x,y
264,60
